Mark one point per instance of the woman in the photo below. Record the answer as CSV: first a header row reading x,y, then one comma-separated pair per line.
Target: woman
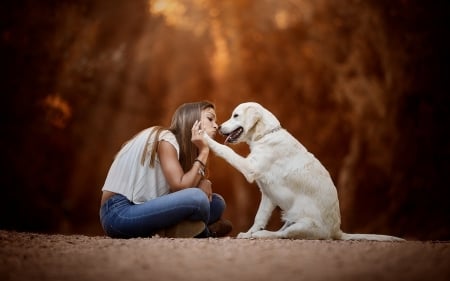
x,y
157,182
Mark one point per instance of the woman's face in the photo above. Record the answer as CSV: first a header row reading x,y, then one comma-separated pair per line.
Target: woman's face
x,y
208,121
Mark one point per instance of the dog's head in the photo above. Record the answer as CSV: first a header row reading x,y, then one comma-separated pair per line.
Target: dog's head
x,y
248,121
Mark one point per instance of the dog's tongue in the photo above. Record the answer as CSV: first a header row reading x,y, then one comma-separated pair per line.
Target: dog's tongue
x,y
231,137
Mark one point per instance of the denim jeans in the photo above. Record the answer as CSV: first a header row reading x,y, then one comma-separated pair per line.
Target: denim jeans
x,y
121,218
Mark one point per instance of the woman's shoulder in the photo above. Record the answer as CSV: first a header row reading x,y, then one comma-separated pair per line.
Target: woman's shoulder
x,y
156,130
167,135
148,135
164,134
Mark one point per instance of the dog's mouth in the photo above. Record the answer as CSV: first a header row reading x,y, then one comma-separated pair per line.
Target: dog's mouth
x,y
234,135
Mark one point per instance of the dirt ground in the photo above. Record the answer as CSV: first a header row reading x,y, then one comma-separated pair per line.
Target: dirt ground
x,y
32,256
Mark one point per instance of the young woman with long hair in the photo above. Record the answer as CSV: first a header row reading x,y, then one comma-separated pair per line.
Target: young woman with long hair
x,y
157,183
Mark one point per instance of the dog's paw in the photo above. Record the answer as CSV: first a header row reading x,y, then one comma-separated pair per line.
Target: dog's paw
x,y
208,139
265,234
206,136
244,235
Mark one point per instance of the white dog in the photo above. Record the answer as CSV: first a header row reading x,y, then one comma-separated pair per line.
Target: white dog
x,y
287,175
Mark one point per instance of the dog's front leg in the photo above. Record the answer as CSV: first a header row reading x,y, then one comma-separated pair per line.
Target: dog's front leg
x,y
240,163
263,214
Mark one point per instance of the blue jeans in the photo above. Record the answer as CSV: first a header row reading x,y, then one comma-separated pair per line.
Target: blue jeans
x,y
121,218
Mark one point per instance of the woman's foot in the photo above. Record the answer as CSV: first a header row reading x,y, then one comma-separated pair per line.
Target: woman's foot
x,y
220,228
184,229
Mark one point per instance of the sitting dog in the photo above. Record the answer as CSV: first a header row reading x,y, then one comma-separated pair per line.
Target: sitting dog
x,y
287,175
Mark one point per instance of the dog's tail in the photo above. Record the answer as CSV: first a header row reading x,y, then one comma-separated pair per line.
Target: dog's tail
x,y
371,237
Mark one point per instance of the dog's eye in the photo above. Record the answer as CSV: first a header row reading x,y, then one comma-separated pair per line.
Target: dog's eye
x,y
235,115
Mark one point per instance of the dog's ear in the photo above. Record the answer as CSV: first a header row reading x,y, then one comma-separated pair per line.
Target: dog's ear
x,y
253,116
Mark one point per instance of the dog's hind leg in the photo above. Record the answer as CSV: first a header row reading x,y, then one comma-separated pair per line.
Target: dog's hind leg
x,y
286,225
305,228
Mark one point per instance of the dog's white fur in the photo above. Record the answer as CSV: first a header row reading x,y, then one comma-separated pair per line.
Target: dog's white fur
x,y
288,176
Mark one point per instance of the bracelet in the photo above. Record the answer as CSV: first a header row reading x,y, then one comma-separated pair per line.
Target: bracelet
x,y
201,163
201,171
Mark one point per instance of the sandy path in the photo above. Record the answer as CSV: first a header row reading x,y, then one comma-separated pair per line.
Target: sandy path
x,y
28,256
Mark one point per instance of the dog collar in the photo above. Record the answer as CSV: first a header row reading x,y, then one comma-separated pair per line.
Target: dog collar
x,y
268,132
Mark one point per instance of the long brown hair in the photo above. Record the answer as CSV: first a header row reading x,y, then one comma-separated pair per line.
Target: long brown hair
x,y
181,125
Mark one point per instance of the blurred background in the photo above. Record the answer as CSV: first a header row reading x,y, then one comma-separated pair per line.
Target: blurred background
x,y
362,84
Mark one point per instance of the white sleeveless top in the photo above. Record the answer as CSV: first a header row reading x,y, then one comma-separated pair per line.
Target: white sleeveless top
x,y
136,181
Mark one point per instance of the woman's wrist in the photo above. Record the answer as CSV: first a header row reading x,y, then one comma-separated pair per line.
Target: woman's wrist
x,y
203,164
201,159
204,151
203,155
202,168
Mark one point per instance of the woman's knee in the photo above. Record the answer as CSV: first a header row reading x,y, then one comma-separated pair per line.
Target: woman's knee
x,y
218,201
198,196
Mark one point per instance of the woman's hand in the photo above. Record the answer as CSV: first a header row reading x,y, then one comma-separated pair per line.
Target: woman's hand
x,y
205,185
197,137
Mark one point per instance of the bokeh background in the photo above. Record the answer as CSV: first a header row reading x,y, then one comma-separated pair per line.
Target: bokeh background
x,y
362,84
